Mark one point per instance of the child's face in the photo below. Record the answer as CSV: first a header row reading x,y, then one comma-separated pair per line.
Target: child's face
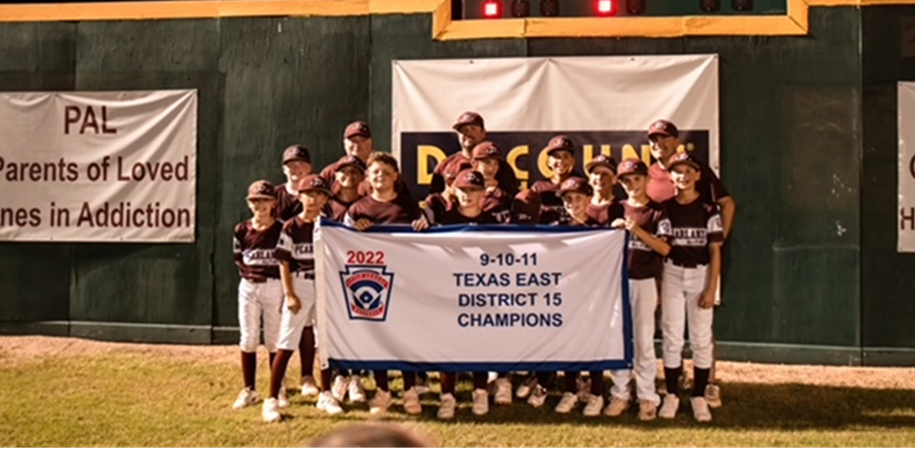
x,y
313,202
576,204
469,197
601,179
634,184
684,176
487,167
382,176
561,162
261,207
349,177
359,146
296,170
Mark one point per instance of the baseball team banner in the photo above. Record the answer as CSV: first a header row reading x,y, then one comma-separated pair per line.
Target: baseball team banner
x,y
475,298
98,166
906,219
605,104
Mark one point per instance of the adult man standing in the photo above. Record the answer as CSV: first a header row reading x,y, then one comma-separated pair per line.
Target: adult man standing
x,y
471,131
665,139
357,141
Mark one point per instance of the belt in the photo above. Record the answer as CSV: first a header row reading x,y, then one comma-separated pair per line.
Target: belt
x,y
304,274
260,280
686,264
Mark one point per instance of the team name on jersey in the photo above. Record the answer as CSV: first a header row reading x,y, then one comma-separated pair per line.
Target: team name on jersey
x,y
303,251
263,257
638,245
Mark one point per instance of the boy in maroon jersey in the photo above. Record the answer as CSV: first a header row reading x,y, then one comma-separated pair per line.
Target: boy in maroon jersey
x,y
561,161
470,131
385,205
295,251
349,174
646,252
688,285
259,292
486,160
296,165
469,188
436,204
602,176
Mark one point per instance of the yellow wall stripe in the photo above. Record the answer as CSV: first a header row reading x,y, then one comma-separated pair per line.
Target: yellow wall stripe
x,y
444,28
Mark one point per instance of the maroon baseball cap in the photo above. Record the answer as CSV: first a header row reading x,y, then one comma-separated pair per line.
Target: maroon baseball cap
x,y
469,179
575,184
312,183
486,150
601,160
351,161
682,158
261,189
468,118
296,153
663,127
526,207
560,143
451,172
632,166
357,129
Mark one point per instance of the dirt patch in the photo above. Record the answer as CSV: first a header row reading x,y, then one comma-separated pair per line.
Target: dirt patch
x,y
15,350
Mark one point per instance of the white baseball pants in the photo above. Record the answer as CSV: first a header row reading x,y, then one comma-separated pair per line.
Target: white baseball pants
x,y
643,297
256,299
294,323
681,289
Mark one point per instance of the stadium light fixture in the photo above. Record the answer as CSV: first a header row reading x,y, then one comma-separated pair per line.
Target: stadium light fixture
x,y
521,8
710,5
635,7
492,9
549,8
742,5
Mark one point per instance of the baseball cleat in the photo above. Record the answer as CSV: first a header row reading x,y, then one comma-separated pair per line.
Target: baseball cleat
x,y
617,407
713,395
380,403
503,391
328,403
480,402
271,411
524,390
537,396
648,411
281,399
446,409
567,403
356,392
669,407
593,405
701,411
411,402
338,389
245,398
309,386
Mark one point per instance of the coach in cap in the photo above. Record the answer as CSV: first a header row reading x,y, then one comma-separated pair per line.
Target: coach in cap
x,y
471,131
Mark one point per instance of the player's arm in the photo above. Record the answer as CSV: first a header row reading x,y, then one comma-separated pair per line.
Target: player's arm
x,y
657,245
292,301
728,208
236,249
707,300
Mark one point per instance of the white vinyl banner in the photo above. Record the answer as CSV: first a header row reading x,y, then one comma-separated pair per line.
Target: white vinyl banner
x,y
906,236
473,298
98,166
605,104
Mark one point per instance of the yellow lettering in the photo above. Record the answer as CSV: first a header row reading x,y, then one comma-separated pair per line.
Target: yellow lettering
x,y
542,164
423,152
606,150
512,159
646,154
629,151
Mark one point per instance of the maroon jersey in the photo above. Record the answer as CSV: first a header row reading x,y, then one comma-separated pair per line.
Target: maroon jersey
x,y
399,211
329,174
660,188
605,213
506,174
335,209
644,262
498,203
296,245
690,228
255,250
552,210
454,216
287,204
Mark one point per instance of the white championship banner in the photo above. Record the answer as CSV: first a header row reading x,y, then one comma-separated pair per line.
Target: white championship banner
x,y
603,103
906,234
98,166
473,298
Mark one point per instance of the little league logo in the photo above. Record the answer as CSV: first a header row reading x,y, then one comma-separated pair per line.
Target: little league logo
x,y
368,291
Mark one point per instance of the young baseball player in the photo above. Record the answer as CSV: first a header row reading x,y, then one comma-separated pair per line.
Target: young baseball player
x,y
296,165
259,292
486,160
348,176
646,252
602,176
665,140
295,252
688,285
561,161
385,205
358,143
469,189
470,131
436,204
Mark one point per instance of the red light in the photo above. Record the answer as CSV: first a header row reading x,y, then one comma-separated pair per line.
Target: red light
x,y
606,7
492,9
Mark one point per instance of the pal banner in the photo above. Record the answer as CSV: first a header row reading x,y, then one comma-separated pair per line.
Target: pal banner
x,y
906,219
473,298
604,104
98,166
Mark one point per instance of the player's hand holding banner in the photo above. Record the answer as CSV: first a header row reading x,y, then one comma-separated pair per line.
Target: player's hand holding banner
x,y
473,298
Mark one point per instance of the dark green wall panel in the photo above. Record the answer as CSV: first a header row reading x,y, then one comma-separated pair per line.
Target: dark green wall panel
x,y
888,287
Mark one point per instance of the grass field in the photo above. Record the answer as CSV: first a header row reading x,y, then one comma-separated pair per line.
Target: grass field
x,y
67,392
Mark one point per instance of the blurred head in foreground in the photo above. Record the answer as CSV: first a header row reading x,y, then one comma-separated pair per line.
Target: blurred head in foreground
x,y
372,435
